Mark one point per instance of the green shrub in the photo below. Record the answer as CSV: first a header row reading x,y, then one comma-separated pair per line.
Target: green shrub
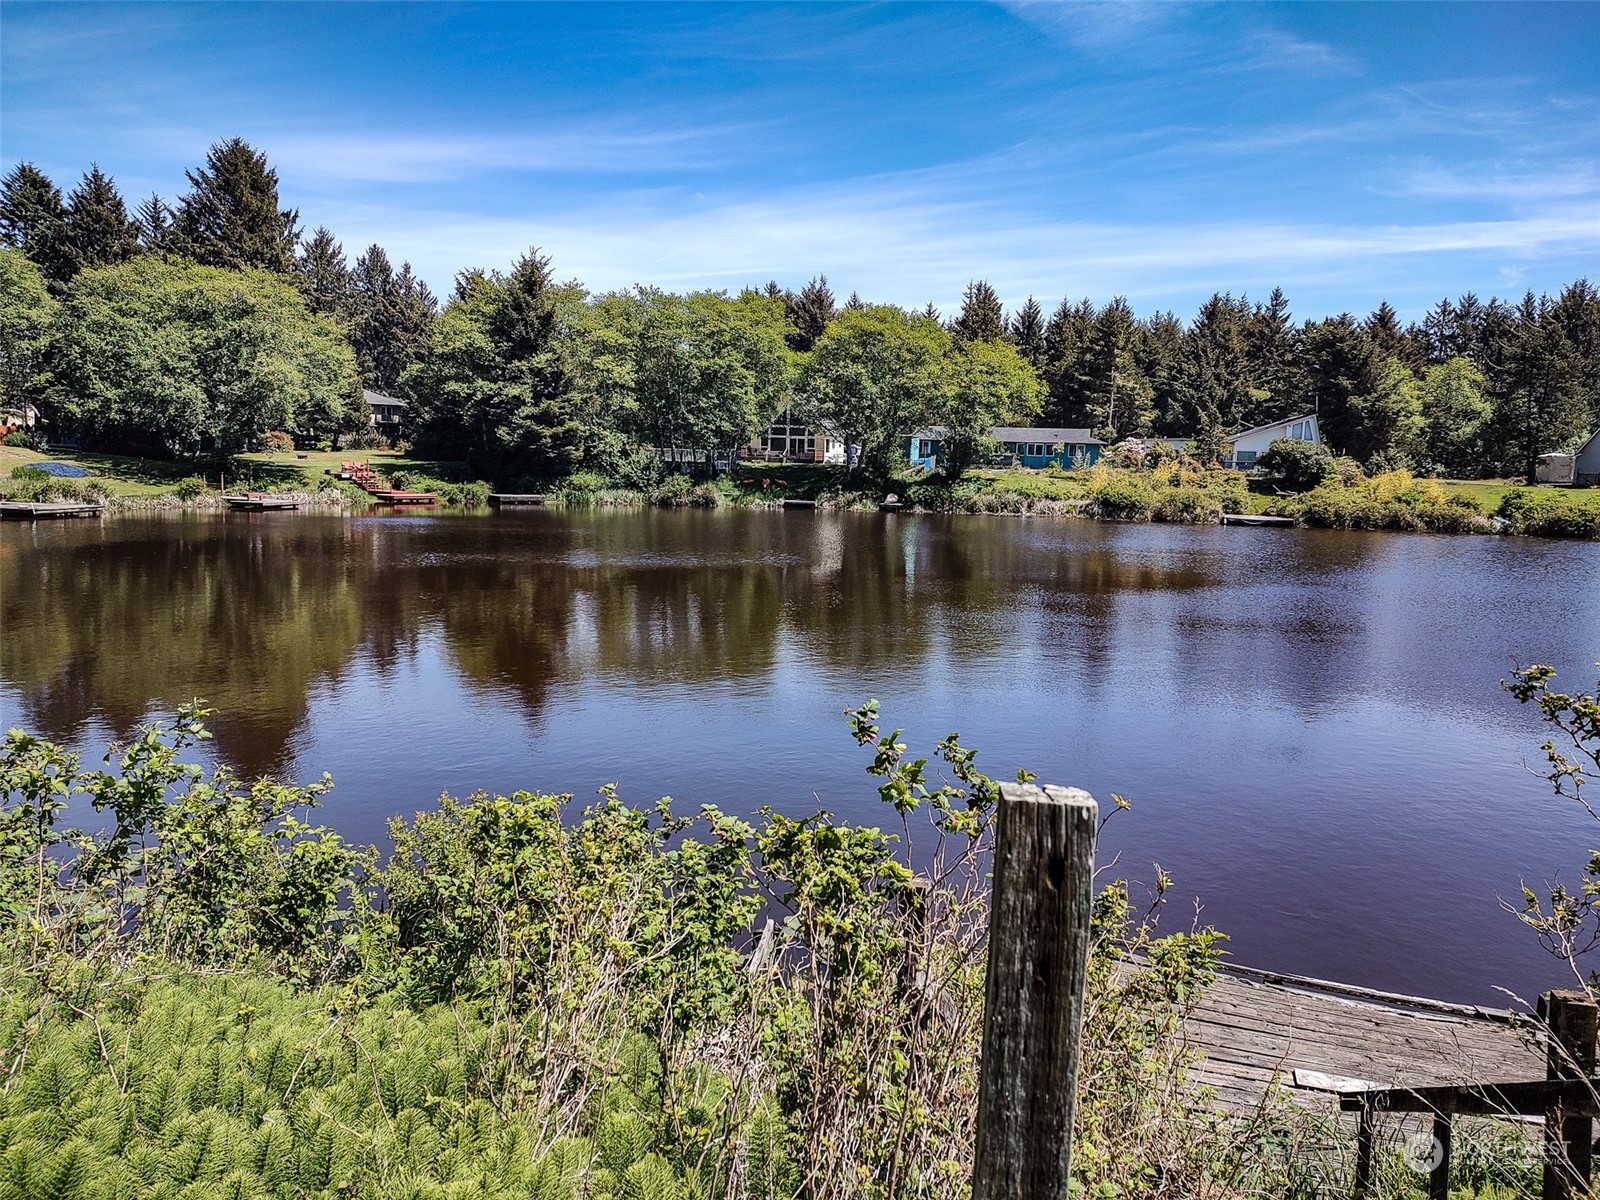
x,y
191,488
1185,505
1394,500
277,442
25,439
1123,497
1301,465
679,491
1545,513
29,473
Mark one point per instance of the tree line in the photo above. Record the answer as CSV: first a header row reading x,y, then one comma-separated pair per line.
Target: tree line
x,y
202,323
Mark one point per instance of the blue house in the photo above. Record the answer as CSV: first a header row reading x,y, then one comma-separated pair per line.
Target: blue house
x,y
1020,446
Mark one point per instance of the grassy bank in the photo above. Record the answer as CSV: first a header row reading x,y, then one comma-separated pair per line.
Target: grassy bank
x,y
1169,493
129,483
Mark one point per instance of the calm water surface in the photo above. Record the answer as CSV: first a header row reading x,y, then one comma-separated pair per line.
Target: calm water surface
x,y
1309,724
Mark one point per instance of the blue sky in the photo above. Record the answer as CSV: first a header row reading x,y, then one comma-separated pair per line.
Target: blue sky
x,y
1348,152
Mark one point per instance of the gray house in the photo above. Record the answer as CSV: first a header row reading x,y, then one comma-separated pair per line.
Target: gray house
x,y
388,413
1586,463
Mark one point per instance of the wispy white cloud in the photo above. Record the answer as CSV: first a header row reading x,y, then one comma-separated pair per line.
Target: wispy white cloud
x,y
378,157
898,240
1490,182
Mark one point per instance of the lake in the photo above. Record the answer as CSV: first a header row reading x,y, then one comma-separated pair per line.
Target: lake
x,y
1309,725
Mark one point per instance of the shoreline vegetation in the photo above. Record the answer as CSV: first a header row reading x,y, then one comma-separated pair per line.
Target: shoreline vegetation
x,y
1174,492
211,994
212,334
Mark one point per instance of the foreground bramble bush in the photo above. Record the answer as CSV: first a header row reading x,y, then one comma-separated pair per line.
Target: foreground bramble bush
x,y
213,996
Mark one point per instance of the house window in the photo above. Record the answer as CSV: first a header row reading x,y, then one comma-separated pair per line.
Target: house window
x,y
1300,431
1244,457
788,437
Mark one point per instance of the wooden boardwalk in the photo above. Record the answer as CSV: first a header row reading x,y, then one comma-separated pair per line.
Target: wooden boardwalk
x,y
1256,1029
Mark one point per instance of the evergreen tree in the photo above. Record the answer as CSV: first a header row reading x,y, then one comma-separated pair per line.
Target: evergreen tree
x,y
1027,333
1577,311
391,316
808,311
230,216
99,231
1344,366
930,311
856,303
325,275
1160,354
1383,327
154,220
1219,384
1066,341
494,383
33,219
1457,413
982,316
1117,395
1276,368
1538,389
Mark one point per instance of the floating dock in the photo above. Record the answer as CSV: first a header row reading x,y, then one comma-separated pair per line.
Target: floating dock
x,y
515,499
403,497
18,510
1256,519
1262,1032
261,503
799,503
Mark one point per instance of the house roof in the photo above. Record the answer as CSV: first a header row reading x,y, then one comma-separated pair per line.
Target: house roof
x,y
1050,435
1593,438
1285,423
376,398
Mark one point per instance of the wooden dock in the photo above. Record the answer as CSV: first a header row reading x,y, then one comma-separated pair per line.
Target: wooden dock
x,y
18,510
1256,1029
1256,519
515,499
255,502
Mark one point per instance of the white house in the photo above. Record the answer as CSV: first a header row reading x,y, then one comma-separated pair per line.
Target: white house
x,y
1244,448
790,439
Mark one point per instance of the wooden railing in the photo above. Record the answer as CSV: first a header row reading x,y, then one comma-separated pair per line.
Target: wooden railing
x,y
1568,1099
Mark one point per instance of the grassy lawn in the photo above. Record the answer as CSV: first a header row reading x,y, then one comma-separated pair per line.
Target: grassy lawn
x,y
122,475
304,469
126,475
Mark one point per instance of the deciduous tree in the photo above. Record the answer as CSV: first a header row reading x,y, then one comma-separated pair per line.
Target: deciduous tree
x,y
197,360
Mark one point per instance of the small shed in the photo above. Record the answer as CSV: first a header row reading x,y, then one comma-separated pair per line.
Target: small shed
x,y
1554,468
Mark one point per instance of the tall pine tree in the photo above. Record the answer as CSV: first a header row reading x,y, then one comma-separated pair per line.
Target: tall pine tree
x,y
392,313
809,310
33,219
230,216
325,275
99,231
982,317
1027,332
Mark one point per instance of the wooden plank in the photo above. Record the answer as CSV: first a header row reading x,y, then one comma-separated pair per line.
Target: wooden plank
x,y
1255,1030
1033,1001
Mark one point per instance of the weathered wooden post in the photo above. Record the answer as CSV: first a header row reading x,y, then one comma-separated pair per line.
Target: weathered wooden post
x,y
1439,1175
1573,1021
1033,1004
1365,1134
